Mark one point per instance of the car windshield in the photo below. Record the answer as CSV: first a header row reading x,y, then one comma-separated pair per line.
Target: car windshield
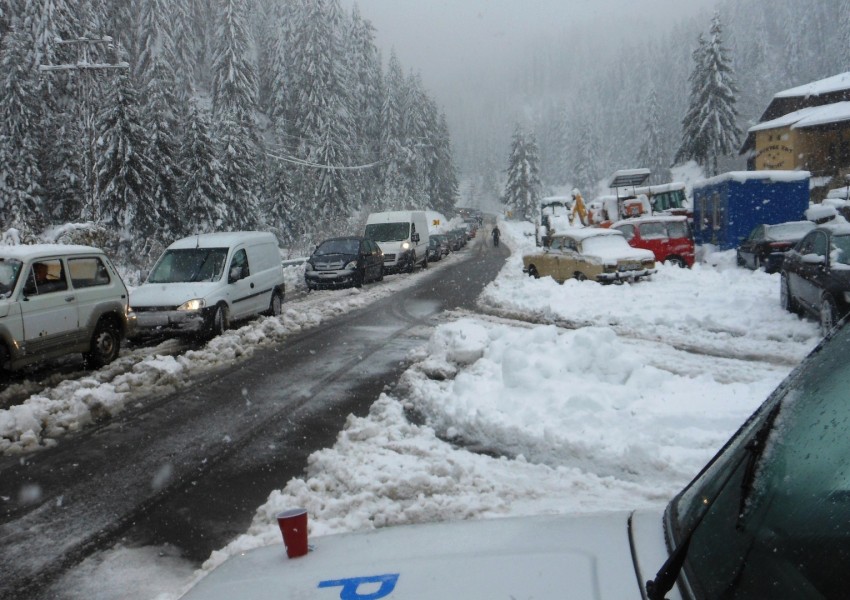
x,y
788,231
388,232
10,268
192,264
772,511
605,246
338,247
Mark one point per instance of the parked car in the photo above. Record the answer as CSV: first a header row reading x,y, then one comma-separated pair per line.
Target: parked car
x,y
57,300
344,261
435,249
598,254
767,517
767,244
203,282
463,239
455,240
445,245
669,238
471,228
815,275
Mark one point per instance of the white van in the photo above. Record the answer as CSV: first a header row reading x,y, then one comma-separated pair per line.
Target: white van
x,y
202,283
402,236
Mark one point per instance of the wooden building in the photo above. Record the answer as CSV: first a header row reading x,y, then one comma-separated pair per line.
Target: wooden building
x,y
805,128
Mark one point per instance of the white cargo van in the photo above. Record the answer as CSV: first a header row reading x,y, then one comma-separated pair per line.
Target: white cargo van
x,y
202,283
402,236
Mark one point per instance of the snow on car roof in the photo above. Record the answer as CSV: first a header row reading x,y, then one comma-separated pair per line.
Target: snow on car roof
x,y
582,233
650,219
222,239
28,251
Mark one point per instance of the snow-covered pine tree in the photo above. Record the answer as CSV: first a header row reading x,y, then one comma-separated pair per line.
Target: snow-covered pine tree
x,y
653,153
710,127
21,196
234,77
523,189
585,150
162,127
241,170
122,170
321,122
201,188
444,182
393,153
184,49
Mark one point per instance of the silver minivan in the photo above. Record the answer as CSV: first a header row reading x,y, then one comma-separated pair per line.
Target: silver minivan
x,y
60,299
203,282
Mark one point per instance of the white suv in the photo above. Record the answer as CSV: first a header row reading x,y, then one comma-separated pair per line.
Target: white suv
x,y
56,300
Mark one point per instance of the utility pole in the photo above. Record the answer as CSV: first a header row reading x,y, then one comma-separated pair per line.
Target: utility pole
x,y
87,70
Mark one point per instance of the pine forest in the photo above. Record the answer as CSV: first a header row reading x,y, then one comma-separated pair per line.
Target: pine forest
x,y
128,124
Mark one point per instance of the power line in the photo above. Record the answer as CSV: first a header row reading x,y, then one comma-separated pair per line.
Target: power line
x,y
304,163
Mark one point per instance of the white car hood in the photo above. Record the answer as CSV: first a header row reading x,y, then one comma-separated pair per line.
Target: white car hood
x,y
5,305
578,557
169,294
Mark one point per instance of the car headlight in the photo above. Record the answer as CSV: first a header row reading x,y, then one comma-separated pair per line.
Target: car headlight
x,y
351,265
194,304
847,297
405,245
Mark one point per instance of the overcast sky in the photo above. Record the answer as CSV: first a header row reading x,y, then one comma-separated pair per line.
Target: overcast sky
x,y
448,40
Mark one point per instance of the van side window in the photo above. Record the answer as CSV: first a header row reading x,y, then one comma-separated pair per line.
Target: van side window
x,y
46,276
239,266
87,272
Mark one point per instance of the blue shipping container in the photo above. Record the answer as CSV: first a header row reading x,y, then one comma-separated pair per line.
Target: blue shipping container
x,y
728,207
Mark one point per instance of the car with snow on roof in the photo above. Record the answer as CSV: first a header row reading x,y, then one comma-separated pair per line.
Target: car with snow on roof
x,y
344,261
669,238
203,282
767,517
593,253
767,244
60,299
815,275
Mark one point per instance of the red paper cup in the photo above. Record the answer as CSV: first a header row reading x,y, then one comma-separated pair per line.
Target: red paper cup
x,y
293,526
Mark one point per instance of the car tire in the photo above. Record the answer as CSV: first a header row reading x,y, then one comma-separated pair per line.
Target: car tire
x,y
275,304
786,300
676,261
4,359
828,314
532,272
381,272
219,323
105,345
359,278
425,262
580,276
756,262
412,264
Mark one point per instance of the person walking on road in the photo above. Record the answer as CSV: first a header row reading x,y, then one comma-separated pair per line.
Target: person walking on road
x,y
496,233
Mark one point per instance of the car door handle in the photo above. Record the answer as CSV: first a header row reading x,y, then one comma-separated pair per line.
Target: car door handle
x,y
69,298
252,286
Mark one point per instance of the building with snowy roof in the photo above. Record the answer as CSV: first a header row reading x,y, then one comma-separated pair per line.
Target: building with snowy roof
x,y
805,128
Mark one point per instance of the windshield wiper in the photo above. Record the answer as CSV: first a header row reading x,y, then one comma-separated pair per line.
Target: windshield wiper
x,y
666,577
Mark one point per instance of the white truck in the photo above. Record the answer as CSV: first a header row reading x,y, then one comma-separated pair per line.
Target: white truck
x,y
403,238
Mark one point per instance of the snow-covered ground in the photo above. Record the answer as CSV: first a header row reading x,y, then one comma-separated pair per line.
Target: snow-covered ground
x,y
557,398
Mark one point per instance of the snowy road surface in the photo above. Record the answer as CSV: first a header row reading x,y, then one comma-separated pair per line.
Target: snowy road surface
x,y
577,397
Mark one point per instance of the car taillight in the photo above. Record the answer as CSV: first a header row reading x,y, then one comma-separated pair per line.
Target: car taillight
x,y
780,245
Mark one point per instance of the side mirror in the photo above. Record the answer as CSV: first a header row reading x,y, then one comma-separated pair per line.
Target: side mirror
x,y
235,274
415,238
